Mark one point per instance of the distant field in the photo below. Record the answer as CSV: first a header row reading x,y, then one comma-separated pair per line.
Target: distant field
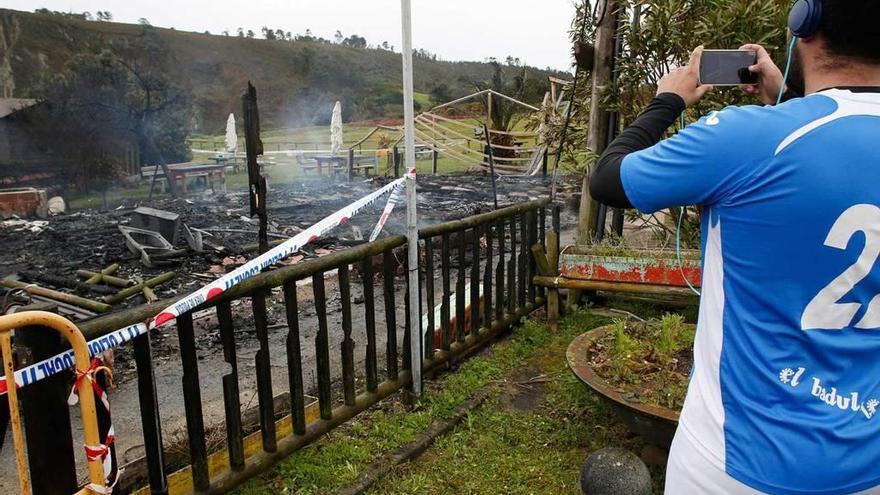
x,y
306,138
303,137
285,168
282,168
315,138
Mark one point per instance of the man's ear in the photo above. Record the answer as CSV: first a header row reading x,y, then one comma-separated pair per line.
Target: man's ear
x,y
814,47
808,40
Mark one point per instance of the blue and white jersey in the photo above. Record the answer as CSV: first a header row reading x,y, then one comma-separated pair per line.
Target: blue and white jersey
x,y
785,390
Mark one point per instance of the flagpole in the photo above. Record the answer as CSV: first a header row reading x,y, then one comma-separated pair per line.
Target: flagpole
x,y
412,229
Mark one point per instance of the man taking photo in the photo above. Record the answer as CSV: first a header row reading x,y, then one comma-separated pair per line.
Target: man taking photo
x,y
785,391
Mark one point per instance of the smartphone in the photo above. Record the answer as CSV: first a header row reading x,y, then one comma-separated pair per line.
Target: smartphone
x,y
727,67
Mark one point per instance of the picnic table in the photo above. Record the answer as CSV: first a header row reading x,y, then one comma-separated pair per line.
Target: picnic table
x,y
334,163
213,174
364,163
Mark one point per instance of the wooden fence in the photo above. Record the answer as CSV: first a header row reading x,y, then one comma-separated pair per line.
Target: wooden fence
x,y
479,269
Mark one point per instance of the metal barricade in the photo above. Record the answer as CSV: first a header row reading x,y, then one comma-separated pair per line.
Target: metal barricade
x,y
84,387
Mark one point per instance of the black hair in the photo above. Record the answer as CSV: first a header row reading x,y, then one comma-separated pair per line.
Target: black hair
x,y
850,28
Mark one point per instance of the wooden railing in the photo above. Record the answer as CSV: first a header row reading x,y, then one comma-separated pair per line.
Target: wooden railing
x,y
479,269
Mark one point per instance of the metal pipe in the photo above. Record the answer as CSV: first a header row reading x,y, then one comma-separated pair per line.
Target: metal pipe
x,y
412,229
15,414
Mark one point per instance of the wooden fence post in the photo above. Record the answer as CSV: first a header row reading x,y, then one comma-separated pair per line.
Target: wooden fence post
x,y
434,156
150,420
544,164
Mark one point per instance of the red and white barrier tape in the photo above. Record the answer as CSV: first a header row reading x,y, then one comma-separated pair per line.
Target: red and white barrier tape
x,y
100,452
395,197
63,361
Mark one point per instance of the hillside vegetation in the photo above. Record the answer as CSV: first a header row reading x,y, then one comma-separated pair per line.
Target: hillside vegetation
x,y
297,81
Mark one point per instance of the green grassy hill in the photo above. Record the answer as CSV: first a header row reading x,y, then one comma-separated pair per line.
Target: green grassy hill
x,y
297,81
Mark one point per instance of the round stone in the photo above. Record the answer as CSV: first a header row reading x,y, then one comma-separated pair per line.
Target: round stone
x,y
614,471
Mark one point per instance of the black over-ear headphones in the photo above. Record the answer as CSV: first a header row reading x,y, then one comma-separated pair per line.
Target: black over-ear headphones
x,y
804,18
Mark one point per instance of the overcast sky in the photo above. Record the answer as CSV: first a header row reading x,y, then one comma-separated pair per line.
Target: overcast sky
x,y
534,31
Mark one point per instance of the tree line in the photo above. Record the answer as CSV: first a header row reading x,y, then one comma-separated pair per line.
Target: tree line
x,y
112,107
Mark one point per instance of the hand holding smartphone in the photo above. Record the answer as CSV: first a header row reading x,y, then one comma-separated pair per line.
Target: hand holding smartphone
x,y
728,67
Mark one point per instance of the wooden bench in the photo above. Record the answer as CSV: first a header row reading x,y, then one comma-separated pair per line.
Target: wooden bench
x,y
211,176
306,164
364,164
310,168
147,173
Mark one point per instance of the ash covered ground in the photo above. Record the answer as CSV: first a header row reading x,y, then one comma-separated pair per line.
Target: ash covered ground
x,y
90,239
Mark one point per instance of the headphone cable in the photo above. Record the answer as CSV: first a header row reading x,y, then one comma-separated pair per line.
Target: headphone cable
x,y
681,213
678,231
787,69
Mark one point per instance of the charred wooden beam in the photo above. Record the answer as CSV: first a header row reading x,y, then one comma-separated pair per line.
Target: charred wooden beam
x,y
347,344
66,282
231,399
444,305
322,347
429,297
151,425
499,272
253,145
371,359
511,268
571,283
294,359
390,315
107,278
82,302
487,278
97,278
137,289
192,402
460,303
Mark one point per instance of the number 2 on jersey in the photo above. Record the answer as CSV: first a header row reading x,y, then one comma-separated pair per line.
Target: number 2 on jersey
x,y
824,311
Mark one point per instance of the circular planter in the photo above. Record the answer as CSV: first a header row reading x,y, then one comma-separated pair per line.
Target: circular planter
x,y
655,424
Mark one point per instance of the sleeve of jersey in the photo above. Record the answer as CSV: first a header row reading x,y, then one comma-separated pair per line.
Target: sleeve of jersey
x,y
698,166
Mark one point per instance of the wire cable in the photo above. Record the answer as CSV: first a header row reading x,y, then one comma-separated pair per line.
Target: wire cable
x,y
683,210
568,110
787,69
678,250
678,230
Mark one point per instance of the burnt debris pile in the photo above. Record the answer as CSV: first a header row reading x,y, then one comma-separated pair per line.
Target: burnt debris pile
x,y
127,255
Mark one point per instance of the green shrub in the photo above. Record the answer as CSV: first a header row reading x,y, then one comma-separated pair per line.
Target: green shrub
x,y
657,36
